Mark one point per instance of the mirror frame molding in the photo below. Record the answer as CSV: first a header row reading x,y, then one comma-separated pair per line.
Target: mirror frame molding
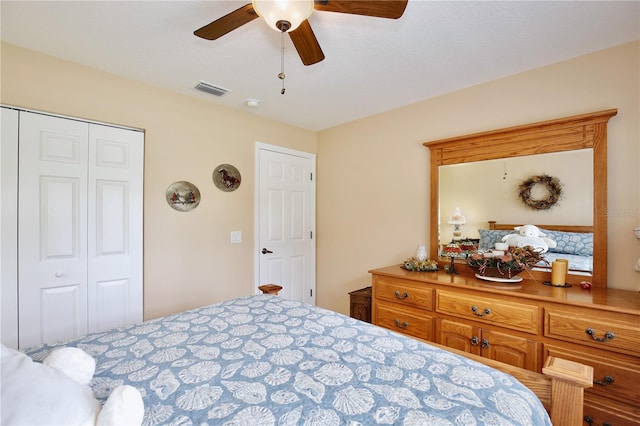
x,y
564,134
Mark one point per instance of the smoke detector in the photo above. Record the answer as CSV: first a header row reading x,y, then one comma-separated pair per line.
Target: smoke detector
x,y
252,103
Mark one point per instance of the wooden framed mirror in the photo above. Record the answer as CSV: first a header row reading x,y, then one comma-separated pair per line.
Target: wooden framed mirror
x,y
581,132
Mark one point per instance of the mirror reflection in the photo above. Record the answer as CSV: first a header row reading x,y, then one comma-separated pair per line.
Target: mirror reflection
x,y
474,193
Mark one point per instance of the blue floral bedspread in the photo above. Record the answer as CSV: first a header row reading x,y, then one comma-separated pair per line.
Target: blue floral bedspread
x,y
265,360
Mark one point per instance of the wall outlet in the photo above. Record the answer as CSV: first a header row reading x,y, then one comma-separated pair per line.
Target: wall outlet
x,y
236,237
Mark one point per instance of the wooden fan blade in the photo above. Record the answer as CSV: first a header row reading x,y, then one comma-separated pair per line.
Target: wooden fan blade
x,y
227,23
392,9
306,44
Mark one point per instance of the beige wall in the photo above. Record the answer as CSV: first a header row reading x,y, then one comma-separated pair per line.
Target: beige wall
x,y
373,173
372,187
188,259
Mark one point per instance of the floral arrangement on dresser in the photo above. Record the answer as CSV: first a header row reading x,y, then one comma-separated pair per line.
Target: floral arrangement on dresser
x,y
421,265
507,263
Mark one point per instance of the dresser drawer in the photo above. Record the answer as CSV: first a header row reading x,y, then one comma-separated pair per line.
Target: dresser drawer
x,y
614,376
416,324
599,411
512,315
603,330
404,292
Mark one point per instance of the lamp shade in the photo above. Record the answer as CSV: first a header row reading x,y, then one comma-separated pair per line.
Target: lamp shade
x,y
292,11
457,218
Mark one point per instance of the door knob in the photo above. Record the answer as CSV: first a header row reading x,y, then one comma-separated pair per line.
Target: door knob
x,y
58,274
265,251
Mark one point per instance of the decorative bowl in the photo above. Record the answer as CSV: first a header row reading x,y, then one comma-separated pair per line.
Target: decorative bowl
x,y
492,271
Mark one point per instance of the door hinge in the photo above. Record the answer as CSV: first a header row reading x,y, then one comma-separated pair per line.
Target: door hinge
x,y
311,234
310,176
310,293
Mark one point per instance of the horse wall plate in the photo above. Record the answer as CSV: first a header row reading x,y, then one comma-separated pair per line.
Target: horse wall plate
x,y
183,196
226,177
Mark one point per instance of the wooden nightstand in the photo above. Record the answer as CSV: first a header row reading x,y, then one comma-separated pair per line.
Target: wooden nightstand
x,y
361,304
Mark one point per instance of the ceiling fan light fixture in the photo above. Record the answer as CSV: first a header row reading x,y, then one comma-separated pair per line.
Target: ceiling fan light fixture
x,y
278,12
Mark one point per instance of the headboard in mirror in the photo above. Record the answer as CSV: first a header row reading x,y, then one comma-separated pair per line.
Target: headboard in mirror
x,y
580,132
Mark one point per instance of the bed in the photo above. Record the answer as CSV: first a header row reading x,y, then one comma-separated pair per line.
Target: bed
x,y
264,359
574,243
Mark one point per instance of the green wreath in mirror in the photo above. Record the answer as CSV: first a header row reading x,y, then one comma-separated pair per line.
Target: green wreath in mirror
x,y
552,186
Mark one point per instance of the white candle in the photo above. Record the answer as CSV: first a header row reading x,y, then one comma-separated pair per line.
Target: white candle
x,y
502,246
497,253
487,254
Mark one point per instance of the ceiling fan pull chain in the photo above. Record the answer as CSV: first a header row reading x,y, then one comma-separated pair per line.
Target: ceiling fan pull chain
x,y
281,76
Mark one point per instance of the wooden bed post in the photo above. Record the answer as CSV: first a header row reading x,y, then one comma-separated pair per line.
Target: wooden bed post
x,y
568,382
270,289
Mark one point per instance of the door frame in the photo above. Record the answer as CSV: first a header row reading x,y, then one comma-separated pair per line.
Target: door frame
x,y
9,226
261,146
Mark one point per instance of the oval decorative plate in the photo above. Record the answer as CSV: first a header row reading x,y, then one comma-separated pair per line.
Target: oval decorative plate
x,y
226,177
183,196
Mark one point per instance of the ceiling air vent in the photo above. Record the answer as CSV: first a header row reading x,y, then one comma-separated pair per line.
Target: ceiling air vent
x,y
210,88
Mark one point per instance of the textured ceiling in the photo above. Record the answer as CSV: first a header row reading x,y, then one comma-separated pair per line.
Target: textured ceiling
x,y
372,65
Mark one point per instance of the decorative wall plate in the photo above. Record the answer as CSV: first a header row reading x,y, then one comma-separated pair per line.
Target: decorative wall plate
x,y
183,196
226,177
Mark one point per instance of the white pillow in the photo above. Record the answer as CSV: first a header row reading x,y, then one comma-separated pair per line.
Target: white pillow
x,y
36,394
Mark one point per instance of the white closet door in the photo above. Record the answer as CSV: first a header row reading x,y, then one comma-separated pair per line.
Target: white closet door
x,y
115,227
52,229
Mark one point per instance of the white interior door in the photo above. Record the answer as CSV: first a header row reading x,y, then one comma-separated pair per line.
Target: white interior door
x,y
115,227
285,247
52,229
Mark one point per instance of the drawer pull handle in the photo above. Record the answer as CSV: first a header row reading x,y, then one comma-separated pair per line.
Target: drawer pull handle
x,y
607,380
401,324
607,336
401,296
474,341
485,343
475,310
589,420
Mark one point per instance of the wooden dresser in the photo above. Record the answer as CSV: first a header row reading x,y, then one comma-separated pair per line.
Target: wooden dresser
x,y
521,324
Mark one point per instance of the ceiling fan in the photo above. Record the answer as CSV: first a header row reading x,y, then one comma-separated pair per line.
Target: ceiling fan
x,y
291,17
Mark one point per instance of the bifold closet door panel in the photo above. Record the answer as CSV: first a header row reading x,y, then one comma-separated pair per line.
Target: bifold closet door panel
x,y
52,228
115,227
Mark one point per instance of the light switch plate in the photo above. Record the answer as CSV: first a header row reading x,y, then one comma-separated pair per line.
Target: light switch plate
x,y
236,237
